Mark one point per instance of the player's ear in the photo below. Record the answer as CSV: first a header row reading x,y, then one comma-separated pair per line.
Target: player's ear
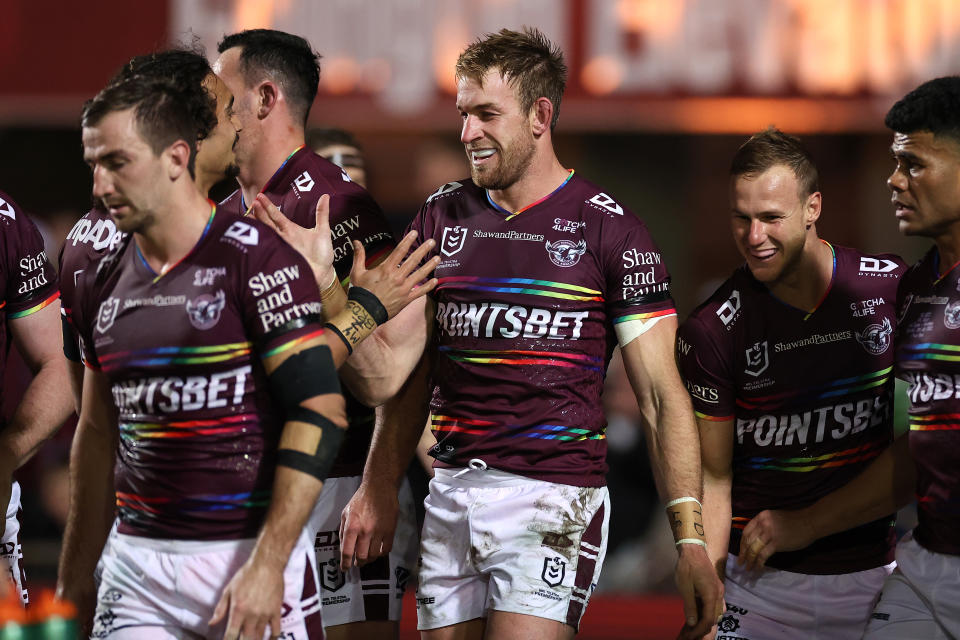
x,y
177,159
541,115
811,211
267,96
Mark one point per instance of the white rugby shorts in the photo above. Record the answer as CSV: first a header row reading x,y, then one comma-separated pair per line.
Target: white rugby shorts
x,y
373,592
921,599
771,603
11,553
156,589
500,541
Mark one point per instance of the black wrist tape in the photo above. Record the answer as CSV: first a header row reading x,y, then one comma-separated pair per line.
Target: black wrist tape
x,y
370,303
333,329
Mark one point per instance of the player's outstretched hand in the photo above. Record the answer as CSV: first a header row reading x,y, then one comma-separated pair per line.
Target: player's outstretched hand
x,y
367,524
396,281
701,590
252,600
316,244
772,531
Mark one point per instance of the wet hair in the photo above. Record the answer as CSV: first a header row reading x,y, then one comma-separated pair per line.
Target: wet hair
x,y
284,58
318,138
165,111
772,147
529,62
183,66
934,106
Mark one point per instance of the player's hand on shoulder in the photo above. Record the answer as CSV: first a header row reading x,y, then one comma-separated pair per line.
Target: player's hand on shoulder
x,y
252,601
368,523
772,531
397,281
315,245
701,590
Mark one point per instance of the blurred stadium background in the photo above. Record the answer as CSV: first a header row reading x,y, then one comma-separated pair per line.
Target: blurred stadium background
x,y
660,94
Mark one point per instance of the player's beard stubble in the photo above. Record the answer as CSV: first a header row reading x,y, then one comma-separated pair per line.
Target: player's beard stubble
x,y
514,159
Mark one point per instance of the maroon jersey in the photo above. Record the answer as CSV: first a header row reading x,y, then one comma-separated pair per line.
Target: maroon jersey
x,y
354,215
27,279
928,340
810,394
89,239
526,307
182,353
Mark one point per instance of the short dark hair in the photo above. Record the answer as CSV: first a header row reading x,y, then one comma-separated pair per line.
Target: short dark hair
x,y
772,147
286,59
182,66
526,59
934,106
317,138
165,111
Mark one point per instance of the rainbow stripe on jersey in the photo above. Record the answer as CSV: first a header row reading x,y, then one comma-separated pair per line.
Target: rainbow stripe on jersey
x,y
935,422
165,356
931,351
533,288
226,502
485,427
136,431
841,387
522,357
33,309
806,464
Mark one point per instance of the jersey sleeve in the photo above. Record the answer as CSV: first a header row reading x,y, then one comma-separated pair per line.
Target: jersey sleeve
x,y
355,216
706,369
637,280
30,283
278,295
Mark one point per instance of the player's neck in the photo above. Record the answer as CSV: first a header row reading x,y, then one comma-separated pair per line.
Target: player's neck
x,y
177,228
541,178
948,246
808,281
277,143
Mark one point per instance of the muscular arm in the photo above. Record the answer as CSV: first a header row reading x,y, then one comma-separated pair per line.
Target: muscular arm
x,y
253,598
47,401
370,518
885,486
92,500
674,447
716,448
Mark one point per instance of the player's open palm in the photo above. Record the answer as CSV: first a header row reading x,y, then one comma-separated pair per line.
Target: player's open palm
x,y
315,245
368,524
252,601
399,279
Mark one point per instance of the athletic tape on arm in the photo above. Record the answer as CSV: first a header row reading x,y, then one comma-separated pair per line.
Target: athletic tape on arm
x,y
303,375
630,330
317,464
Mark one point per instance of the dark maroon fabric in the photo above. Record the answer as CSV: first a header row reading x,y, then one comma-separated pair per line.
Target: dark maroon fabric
x,y
526,308
354,215
928,345
810,394
198,428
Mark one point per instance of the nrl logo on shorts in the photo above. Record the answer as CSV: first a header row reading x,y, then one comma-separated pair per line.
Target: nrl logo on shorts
x,y
876,337
452,240
757,359
107,313
331,578
566,253
554,570
204,311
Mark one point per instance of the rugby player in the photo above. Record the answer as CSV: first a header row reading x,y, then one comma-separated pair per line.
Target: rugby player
x,y
274,77
542,272
342,149
789,367
216,446
921,598
28,316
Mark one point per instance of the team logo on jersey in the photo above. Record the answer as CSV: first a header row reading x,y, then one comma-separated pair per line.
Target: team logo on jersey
x,y
877,266
951,315
450,187
204,310
6,209
304,182
729,309
607,203
107,313
452,241
243,233
554,570
876,338
758,359
566,253
331,578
